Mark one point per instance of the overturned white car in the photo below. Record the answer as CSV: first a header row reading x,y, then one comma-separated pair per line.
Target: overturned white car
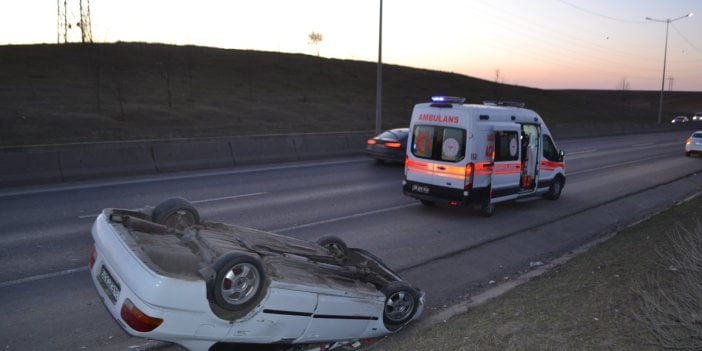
x,y
166,275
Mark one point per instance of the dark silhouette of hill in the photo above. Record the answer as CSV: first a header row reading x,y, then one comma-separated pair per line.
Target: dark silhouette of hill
x,y
124,91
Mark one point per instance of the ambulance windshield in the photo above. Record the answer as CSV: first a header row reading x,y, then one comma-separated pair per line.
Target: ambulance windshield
x,y
439,143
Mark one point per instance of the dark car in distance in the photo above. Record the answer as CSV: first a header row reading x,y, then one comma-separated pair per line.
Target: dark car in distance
x,y
388,146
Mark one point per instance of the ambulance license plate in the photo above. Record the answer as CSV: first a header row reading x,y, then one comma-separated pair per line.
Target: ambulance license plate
x,y
108,284
422,189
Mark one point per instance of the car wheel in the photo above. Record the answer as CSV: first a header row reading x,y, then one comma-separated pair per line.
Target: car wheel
x,y
427,203
335,245
487,207
239,281
688,153
554,191
175,213
401,303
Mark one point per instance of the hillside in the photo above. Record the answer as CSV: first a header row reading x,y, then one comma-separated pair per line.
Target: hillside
x,y
75,92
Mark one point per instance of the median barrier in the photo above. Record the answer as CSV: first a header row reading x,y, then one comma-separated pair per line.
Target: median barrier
x,y
28,165
263,148
323,145
25,165
184,155
89,161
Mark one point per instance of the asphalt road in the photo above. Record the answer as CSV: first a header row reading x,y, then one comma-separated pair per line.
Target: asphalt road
x,y
48,302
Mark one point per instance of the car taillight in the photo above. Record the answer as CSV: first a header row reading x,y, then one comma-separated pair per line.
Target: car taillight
x,y
468,185
393,145
137,319
93,256
372,142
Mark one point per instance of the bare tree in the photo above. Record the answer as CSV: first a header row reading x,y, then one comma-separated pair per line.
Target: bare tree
x,y
167,74
624,84
315,39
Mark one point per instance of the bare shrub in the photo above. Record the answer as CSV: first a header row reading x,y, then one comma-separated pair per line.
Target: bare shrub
x,y
671,301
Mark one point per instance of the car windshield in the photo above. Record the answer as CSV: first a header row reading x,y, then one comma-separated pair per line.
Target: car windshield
x,y
697,135
395,134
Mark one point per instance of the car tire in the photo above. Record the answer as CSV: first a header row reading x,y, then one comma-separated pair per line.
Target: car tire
x,y
688,153
401,303
487,207
554,191
176,213
239,281
335,245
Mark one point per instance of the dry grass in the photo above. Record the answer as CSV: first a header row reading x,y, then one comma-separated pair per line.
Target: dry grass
x,y
671,300
75,92
597,301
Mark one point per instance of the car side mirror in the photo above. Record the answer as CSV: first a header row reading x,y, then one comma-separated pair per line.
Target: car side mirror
x,y
561,155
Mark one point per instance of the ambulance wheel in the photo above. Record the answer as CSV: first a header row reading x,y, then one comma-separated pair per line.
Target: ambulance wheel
x,y
335,246
175,213
427,203
554,191
487,208
401,303
239,281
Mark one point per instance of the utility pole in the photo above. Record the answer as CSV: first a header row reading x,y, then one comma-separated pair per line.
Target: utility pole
x,y
665,57
379,76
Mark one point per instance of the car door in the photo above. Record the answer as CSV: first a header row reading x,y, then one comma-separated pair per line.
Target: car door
x,y
507,166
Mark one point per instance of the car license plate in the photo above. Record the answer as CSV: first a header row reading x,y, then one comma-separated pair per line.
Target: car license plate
x,y
108,284
422,189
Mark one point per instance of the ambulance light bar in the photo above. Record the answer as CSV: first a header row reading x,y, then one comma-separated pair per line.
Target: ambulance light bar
x,y
504,103
448,99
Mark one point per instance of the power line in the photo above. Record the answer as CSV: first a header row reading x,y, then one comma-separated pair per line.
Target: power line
x,y
601,15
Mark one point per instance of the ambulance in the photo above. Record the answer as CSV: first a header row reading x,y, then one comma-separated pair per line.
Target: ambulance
x,y
481,155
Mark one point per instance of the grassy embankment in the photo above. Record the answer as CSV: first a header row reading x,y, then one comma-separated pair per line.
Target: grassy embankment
x,y
127,91
640,290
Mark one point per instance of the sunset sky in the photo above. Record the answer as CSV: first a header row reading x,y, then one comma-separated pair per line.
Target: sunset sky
x,y
593,44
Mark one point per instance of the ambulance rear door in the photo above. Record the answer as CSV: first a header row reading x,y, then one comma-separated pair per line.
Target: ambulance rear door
x,y
507,166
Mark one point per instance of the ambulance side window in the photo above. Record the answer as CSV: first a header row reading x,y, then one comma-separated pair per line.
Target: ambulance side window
x,y
506,146
439,143
550,151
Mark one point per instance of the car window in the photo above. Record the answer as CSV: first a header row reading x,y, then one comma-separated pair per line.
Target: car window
x,y
697,135
550,151
439,143
506,146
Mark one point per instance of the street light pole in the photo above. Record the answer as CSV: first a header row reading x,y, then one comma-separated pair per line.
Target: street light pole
x,y
379,76
665,57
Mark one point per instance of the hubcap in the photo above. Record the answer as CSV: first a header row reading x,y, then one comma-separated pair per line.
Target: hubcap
x,y
240,284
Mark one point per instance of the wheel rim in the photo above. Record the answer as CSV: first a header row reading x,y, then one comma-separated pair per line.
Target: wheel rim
x,y
180,220
335,249
240,283
399,306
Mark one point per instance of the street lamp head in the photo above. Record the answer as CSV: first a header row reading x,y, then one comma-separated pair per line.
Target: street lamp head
x,y
690,14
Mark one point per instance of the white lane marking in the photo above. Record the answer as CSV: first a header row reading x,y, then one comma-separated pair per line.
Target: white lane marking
x,y
42,277
227,197
342,218
612,166
155,178
197,201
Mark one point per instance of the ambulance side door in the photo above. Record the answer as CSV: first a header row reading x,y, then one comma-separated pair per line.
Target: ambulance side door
x,y
507,165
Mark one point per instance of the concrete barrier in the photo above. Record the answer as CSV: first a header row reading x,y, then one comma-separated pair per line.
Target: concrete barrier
x,y
67,162
27,165
102,160
187,155
54,163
